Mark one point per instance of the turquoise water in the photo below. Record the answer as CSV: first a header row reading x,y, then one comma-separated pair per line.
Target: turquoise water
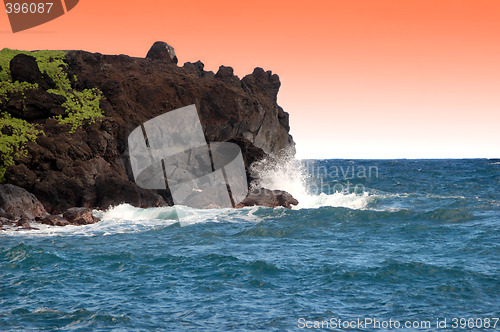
x,y
416,241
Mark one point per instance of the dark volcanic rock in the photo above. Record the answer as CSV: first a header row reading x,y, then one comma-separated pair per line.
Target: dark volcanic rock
x,y
6,222
196,67
80,216
263,82
226,74
23,223
6,219
24,68
54,220
90,168
20,203
6,215
36,104
270,198
162,51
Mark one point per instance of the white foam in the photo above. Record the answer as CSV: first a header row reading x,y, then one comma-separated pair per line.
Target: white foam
x,y
128,212
125,218
286,173
348,200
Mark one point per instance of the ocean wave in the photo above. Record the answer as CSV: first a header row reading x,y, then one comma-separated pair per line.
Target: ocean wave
x,y
125,218
286,173
80,318
448,215
25,255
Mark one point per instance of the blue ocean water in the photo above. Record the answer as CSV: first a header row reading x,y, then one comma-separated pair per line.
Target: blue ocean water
x,y
391,240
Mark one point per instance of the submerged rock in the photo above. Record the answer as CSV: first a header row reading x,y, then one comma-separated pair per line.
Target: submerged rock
x,y
54,220
80,216
267,197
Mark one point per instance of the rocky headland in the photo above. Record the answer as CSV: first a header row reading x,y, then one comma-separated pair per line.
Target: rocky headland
x,y
65,118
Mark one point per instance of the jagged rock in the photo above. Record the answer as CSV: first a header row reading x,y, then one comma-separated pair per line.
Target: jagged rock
x,y
264,82
196,67
20,203
24,68
80,216
25,226
162,51
23,223
270,198
54,220
226,74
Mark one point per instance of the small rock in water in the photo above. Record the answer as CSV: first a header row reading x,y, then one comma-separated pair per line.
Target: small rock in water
x,y
54,220
80,216
24,224
270,198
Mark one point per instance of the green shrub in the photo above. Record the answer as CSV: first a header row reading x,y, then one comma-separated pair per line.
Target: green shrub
x,y
80,106
14,134
86,104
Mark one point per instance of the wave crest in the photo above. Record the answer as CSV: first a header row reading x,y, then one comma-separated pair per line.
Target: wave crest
x,y
284,172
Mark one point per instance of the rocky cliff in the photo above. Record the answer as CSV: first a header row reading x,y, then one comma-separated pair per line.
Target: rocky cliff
x,y
76,110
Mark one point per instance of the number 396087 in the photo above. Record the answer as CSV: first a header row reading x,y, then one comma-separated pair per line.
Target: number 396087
x,y
25,8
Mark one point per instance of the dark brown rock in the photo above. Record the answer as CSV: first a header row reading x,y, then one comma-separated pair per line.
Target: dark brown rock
x,y
24,68
270,198
23,223
36,104
196,67
80,216
6,222
20,203
6,215
54,220
226,74
263,82
162,51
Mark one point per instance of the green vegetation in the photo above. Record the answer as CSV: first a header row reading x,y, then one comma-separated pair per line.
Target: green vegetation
x,y
80,106
14,134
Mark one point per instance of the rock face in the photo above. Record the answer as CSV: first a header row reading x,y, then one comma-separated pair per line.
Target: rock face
x,y
90,167
24,68
17,203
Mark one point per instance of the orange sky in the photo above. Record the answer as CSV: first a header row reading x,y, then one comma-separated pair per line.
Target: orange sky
x,y
360,78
